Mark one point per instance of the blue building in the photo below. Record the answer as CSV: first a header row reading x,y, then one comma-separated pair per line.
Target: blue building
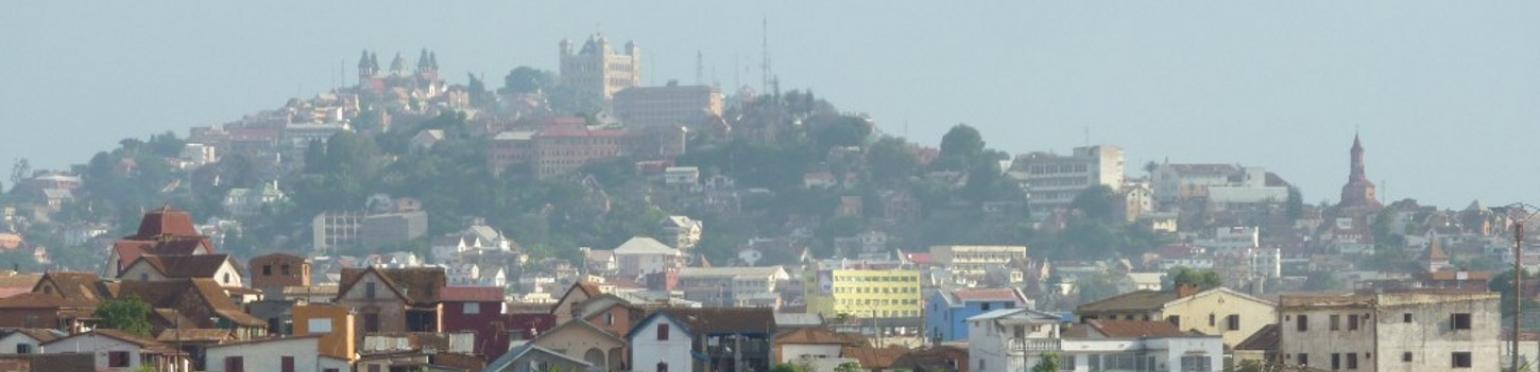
x,y
947,312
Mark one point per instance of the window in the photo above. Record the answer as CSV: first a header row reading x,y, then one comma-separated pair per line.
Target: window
x,y
24,348
1336,361
982,365
1304,359
227,278
1406,317
330,370
984,306
376,368
1352,322
267,269
285,269
1459,321
1233,322
1406,357
662,332
662,367
1459,359
471,308
1332,321
369,290
1302,324
371,322
1210,319
609,318
118,359
144,276
286,363
1175,320
1352,361
1196,363
235,364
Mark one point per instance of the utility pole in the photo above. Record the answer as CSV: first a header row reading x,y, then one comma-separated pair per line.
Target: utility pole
x,y
1518,290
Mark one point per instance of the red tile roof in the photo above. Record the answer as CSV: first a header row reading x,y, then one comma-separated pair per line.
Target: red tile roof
x,y
1135,328
186,266
472,294
166,221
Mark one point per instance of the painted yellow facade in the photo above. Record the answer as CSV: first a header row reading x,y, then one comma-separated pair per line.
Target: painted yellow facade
x,y
864,293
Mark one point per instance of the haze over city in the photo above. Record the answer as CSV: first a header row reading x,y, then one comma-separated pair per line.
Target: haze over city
x,y
1443,93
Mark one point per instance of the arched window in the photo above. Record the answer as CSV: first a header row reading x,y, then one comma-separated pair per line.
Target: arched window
x,y
662,367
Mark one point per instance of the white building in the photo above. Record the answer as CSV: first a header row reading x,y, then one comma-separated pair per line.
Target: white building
x,y
681,176
732,286
118,351
643,255
27,340
1011,340
1128,345
299,353
1052,180
1219,183
685,230
1233,237
661,343
300,135
1406,331
970,263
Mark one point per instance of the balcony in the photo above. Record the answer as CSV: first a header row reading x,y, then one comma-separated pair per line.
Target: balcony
x,y
1032,345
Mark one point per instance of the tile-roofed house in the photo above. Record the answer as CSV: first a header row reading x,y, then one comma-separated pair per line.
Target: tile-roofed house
x,y
72,285
26,340
522,357
118,351
644,255
580,339
219,267
566,307
394,299
1217,311
13,283
811,343
876,358
680,337
1131,329
471,294
165,231
192,303
1262,346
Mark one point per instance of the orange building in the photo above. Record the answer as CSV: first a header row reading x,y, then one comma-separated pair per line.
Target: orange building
x,y
334,323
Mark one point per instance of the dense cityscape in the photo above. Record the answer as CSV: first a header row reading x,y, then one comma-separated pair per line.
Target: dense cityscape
x,y
571,218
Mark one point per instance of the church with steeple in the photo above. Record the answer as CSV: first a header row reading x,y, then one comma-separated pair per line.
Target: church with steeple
x,y
1347,225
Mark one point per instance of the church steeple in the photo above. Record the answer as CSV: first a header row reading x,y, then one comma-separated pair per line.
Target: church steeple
x,y
1359,191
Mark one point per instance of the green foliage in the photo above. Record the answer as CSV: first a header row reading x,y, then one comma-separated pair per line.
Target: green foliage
x,y
1098,287
891,160
1323,281
961,147
848,367
787,367
1203,279
525,79
127,314
1098,203
829,131
1047,362
1295,205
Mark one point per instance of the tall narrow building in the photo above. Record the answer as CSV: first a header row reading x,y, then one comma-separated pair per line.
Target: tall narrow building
x,y
1359,191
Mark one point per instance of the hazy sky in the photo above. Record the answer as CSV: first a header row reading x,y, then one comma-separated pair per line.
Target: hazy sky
x,y
1444,92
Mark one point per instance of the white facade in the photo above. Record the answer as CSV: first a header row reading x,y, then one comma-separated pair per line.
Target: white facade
x,y
103,347
650,347
1184,354
269,356
681,176
227,275
642,255
1052,181
1392,332
1010,340
20,343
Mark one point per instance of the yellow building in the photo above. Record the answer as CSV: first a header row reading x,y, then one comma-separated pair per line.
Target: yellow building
x,y
863,293
1216,312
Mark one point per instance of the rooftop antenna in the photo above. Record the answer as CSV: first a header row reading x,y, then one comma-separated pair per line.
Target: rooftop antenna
x,y
700,68
1087,135
764,67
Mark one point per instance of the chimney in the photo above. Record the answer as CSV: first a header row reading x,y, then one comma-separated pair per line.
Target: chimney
x,y
1185,290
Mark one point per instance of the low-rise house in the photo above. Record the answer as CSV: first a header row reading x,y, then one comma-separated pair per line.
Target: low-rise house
x,y
479,310
118,351
1217,311
164,231
581,340
1100,345
567,308
684,231
1261,347
643,255
59,300
1404,331
813,343
278,270
531,358
948,311
287,354
218,267
1011,339
192,303
194,342
703,340
732,286
394,300
334,325
27,340
611,313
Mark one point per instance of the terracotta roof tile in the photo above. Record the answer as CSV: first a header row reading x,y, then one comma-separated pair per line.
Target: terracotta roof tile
x,y
1265,339
195,335
1135,328
186,266
418,285
875,358
472,294
819,336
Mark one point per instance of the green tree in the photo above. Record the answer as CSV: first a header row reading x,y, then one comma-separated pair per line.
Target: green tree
x,y
525,79
1323,281
1203,279
1295,206
961,146
787,367
891,160
1098,203
1047,362
127,314
848,367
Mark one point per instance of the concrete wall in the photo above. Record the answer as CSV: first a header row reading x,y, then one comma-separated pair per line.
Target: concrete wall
x,y
1431,339
585,344
99,345
268,356
647,350
1196,311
